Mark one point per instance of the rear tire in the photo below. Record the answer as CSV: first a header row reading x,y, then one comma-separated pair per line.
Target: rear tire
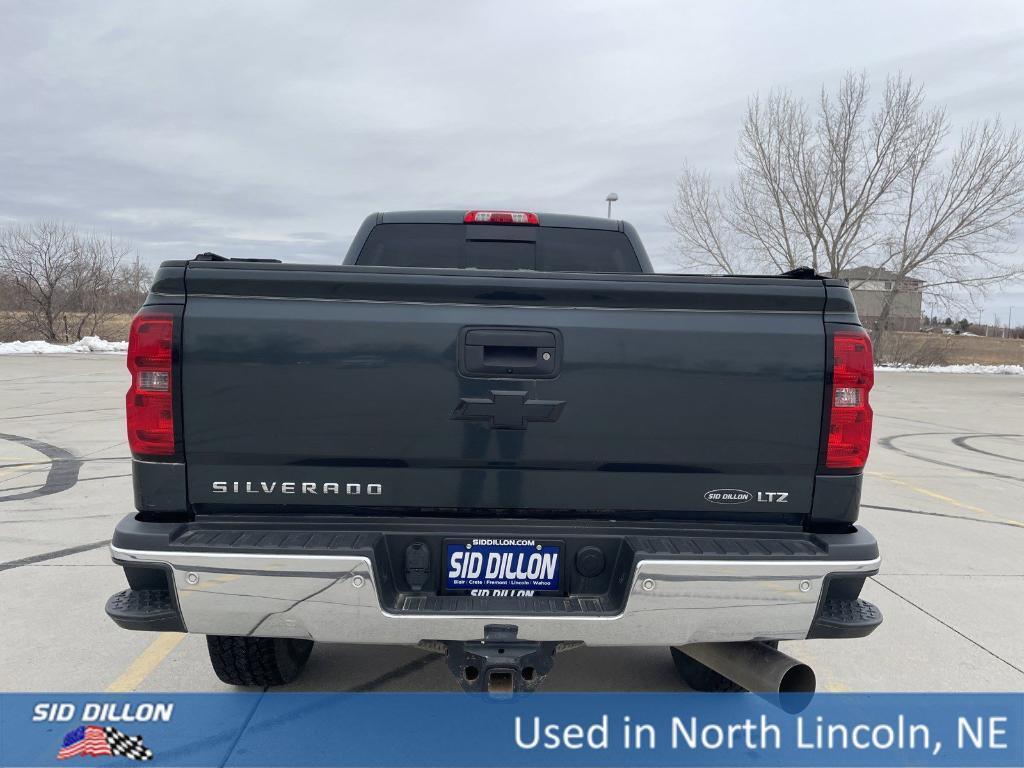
x,y
257,661
703,678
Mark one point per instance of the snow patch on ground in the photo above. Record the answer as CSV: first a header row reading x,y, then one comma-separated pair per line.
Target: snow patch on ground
x,y
88,344
1006,370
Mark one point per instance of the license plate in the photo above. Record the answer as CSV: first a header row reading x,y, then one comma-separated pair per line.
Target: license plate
x,y
502,567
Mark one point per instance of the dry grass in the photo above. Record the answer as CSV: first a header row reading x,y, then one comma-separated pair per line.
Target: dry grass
x,y
905,348
114,329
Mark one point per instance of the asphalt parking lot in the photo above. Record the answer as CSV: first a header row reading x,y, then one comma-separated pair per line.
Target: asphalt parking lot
x,y
944,495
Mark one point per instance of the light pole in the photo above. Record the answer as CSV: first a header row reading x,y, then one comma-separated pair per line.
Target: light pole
x,y
612,197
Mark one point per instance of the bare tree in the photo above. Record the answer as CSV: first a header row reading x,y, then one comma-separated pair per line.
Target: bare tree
x,y
847,184
133,285
59,284
952,225
699,219
36,261
810,191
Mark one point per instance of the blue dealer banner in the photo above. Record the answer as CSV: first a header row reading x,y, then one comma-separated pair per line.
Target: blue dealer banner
x,y
299,729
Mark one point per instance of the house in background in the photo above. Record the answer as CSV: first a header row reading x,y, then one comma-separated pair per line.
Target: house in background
x,y
870,285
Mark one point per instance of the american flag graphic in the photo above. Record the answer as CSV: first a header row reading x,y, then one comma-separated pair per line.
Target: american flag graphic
x,y
103,741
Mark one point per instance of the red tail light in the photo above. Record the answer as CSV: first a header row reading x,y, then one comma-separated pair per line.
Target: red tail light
x,y
853,374
150,403
501,217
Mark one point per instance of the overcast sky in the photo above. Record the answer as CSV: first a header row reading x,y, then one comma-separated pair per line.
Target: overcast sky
x,y
273,129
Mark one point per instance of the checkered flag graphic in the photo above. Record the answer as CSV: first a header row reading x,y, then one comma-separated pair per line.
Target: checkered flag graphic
x,y
127,746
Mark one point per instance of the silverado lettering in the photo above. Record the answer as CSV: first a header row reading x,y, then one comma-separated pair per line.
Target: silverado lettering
x,y
247,486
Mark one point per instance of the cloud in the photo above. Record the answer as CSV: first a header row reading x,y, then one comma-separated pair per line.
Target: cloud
x,y
237,127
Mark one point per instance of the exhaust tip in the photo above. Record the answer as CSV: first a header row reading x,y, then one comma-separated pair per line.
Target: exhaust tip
x,y
799,679
756,666
796,689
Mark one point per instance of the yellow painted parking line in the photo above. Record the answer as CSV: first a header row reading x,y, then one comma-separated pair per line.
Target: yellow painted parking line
x,y
154,655
947,499
20,465
146,662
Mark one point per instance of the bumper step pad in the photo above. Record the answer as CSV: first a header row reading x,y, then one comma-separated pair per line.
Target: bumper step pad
x,y
153,610
840,618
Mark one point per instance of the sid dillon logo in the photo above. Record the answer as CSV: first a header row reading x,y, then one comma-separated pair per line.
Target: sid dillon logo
x,y
102,740
728,496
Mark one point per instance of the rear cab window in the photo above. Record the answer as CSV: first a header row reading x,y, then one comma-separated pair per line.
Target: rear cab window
x,y
482,246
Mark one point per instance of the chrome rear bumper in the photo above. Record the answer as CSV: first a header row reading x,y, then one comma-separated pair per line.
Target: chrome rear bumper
x,y
335,599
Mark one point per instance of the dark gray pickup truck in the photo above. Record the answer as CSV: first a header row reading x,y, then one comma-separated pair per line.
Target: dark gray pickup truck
x,y
497,435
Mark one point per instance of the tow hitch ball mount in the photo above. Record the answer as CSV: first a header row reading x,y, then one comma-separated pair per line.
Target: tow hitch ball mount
x,y
500,663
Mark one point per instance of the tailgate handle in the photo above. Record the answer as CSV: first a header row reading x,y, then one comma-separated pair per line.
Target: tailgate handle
x,y
503,352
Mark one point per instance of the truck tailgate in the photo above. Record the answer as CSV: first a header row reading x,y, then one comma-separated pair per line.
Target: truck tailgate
x,y
341,387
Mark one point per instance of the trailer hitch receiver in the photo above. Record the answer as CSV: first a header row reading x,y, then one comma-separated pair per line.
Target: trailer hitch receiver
x,y
500,664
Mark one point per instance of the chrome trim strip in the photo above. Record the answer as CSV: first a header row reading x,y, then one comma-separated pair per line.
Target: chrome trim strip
x,y
334,599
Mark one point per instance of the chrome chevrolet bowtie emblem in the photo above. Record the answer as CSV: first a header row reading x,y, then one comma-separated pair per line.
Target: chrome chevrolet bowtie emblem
x,y
507,409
